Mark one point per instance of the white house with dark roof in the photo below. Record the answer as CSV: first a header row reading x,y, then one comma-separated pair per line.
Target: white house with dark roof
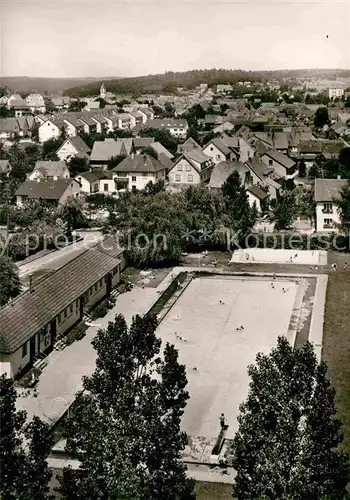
x,y
218,151
281,165
256,196
177,127
73,147
36,103
188,169
136,171
97,181
33,322
327,210
50,129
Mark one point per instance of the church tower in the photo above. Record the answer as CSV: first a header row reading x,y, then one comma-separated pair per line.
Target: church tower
x,y
102,91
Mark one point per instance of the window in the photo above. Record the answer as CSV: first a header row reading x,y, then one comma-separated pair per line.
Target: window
x,y
105,187
95,188
144,174
270,163
133,178
218,157
59,318
179,167
211,148
95,287
65,314
100,282
71,308
42,335
24,350
177,177
77,304
190,178
327,208
327,223
188,167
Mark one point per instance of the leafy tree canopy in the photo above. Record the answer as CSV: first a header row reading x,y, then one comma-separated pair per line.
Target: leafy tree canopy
x,y
10,285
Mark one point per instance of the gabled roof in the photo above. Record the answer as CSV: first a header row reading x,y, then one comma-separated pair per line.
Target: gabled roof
x,y
188,145
18,103
28,313
9,125
44,189
197,155
95,175
223,170
328,189
159,148
231,142
143,142
139,163
105,150
110,246
50,168
258,192
78,144
257,166
310,147
219,143
280,158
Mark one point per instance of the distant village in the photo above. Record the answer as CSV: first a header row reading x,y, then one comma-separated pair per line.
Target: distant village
x,y
215,134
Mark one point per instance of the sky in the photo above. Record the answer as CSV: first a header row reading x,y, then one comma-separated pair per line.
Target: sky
x,y
128,38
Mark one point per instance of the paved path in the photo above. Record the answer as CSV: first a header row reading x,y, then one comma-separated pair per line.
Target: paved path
x,y
57,259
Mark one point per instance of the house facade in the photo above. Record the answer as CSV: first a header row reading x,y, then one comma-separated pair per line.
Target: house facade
x,y
50,129
73,147
97,181
136,171
326,191
281,165
218,151
32,323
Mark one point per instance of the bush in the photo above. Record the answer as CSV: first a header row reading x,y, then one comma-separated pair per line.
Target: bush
x,y
76,333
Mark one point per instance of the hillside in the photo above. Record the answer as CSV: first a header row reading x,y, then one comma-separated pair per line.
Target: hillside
x,y
26,85
170,80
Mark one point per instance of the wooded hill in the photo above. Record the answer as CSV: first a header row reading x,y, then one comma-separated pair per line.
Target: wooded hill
x,y
167,82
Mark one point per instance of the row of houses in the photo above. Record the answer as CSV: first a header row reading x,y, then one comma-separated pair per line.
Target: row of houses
x,y
33,322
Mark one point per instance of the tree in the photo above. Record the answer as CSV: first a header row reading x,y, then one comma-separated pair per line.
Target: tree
x,y
10,285
344,160
284,211
125,427
321,117
343,203
302,169
153,188
161,135
72,215
148,150
237,203
24,471
287,441
78,165
50,148
76,105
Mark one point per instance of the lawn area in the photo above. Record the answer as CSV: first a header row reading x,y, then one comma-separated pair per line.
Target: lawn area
x,y
336,342
213,491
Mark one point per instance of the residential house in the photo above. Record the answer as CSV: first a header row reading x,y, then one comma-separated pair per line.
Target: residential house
x,y
91,105
137,118
159,149
51,170
90,126
9,127
274,140
101,123
326,191
223,170
141,143
308,151
60,103
36,103
335,93
55,192
219,151
74,126
135,171
211,121
73,147
97,181
5,168
257,196
189,168
223,127
51,129
125,121
188,145
281,165
33,322
20,107
103,151
177,127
